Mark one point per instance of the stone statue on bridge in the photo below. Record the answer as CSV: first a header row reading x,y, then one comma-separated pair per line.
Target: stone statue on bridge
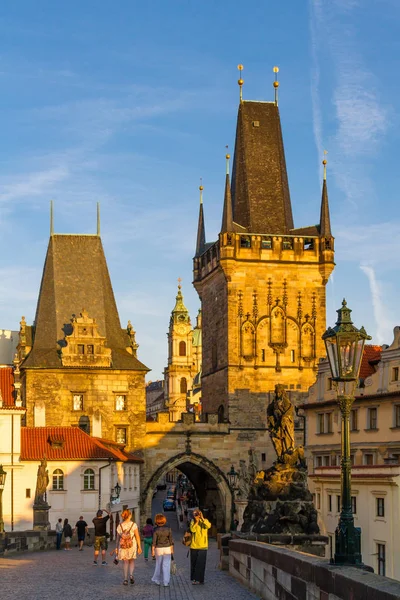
x,y
41,483
280,423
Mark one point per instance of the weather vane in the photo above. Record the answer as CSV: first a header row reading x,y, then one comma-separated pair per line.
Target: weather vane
x,y
276,84
240,81
325,162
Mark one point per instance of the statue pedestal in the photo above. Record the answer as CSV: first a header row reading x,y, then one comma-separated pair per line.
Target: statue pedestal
x,y
41,517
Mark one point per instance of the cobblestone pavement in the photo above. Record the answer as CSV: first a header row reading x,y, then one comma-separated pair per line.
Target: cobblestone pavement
x,y
71,575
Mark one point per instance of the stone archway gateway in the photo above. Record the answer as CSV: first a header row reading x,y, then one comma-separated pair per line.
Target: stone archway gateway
x,y
210,482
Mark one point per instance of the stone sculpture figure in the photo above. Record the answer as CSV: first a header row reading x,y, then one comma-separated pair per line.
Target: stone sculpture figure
x,y
41,483
280,423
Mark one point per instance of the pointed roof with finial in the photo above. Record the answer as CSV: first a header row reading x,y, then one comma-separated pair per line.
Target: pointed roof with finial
x,y
227,216
325,220
180,313
201,231
260,189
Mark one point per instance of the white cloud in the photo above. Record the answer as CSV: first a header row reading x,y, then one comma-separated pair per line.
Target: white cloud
x,y
31,184
383,324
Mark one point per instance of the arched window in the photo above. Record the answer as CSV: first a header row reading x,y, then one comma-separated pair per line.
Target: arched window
x,y
183,385
221,412
58,480
88,479
182,348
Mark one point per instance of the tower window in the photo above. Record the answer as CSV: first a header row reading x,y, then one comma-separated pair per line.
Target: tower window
x,y
81,349
183,385
263,355
221,412
121,435
245,241
90,349
120,402
266,242
182,348
292,356
287,244
77,400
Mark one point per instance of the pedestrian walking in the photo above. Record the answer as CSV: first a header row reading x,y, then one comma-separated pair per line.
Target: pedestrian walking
x,y
162,548
82,528
67,531
59,532
199,527
128,545
100,536
147,533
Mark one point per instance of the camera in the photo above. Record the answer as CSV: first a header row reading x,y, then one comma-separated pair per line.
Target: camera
x,y
115,561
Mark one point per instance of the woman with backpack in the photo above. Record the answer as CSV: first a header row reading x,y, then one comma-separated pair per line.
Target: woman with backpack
x,y
162,548
128,545
147,533
67,531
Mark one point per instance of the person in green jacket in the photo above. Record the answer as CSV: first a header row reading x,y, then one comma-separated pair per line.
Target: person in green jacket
x,y
199,527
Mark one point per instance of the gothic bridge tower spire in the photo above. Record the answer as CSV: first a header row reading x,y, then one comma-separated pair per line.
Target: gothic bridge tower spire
x,y
262,283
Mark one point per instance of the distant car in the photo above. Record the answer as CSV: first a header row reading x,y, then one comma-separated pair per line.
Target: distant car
x,y
162,486
169,504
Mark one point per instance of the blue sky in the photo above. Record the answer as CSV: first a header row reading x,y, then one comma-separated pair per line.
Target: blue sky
x,y
129,103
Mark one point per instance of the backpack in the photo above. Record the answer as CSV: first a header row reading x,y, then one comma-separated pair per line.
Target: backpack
x,y
125,540
187,538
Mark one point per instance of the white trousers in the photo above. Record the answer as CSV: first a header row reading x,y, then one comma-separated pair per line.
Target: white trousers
x,y
162,571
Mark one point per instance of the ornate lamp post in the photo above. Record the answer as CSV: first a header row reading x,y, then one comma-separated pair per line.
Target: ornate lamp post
x,y
233,477
344,346
117,490
3,475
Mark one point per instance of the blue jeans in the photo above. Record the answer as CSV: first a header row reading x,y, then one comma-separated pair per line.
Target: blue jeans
x,y
59,536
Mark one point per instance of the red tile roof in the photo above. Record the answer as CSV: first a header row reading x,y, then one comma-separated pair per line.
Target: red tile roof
x,y
69,443
371,356
7,385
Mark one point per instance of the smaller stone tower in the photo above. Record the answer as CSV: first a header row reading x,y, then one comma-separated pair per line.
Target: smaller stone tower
x,y
180,370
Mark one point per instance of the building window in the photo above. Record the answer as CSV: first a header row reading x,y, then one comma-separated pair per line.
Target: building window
x,y
397,415
263,355
354,419
329,384
77,401
221,413
120,435
338,504
120,402
81,349
354,505
318,501
263,457
245,241
324,423
287,244
90,349
88,479
381,557
292,356
395,374
372,418
352,459
368,459
329,502
318,461
27,493
326,460
58,480
183,385
380,507
182,348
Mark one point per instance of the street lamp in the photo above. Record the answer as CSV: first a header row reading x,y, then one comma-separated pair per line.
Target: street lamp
x,y
344,347
117,491
233,477
3,475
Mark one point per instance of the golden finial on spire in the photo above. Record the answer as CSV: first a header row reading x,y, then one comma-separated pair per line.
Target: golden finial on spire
x,y
179,283
227,156
201,190
240,81
325,162
276,84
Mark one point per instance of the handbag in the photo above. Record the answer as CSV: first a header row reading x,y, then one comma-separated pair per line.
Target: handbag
x,y
173,568
187,538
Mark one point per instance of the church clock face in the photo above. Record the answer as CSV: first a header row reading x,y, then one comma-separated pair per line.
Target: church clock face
x,y
181,318
181,329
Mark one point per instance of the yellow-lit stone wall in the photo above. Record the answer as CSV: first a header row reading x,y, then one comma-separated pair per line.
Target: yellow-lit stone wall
x,y
271,293
49,392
